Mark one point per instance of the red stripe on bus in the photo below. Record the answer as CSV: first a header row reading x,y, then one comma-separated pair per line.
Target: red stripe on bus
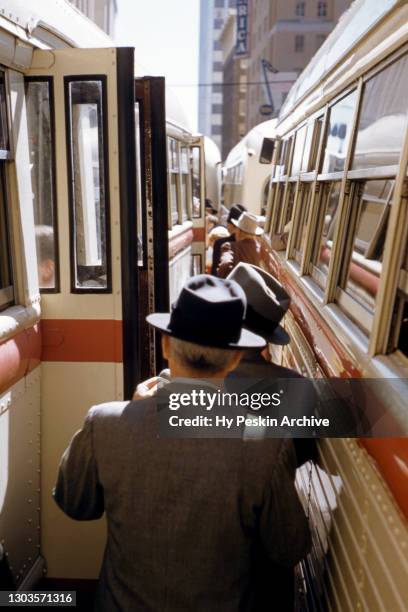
x,y
180,242
82,340
391,457
199,234
19,356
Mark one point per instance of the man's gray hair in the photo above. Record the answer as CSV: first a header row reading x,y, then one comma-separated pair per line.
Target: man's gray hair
x,y
202,358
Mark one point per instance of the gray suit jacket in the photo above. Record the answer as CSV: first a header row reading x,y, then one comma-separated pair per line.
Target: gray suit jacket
x,y
185,516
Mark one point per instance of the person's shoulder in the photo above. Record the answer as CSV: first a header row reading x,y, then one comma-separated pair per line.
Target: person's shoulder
x,y
107,410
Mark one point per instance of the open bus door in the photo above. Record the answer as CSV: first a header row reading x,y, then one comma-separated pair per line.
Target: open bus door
x,y
110,190
152,211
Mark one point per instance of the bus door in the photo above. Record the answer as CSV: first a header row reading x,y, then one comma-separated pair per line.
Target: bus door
x,y
95,276
152,216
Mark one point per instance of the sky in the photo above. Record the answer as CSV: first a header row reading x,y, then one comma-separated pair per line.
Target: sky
x,y
165,35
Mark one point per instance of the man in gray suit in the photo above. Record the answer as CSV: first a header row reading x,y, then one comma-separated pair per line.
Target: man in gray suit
x,y
186,517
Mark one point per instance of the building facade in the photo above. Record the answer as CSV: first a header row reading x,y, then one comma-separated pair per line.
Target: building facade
x,y
234,86
213,14
284,36
101,12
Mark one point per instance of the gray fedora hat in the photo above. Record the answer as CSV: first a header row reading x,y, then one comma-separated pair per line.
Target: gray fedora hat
x,y
209,311
248,223
267,302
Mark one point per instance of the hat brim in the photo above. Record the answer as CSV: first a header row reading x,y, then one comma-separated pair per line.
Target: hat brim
x,y
247,340
257,232
279,336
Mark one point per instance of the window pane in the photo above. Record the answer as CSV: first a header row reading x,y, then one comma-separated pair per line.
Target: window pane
x,y
367,228
195,182
139,207
383,118
339,132
282,168
325,231
4,136
6,289
267,151
301,231
298,152
89,193
40,140
174,187
184,164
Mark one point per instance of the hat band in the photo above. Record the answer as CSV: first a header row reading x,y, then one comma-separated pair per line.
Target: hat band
x,y
211,333
259,323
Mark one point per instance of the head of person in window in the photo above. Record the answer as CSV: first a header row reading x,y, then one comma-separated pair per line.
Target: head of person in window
x,y
44,238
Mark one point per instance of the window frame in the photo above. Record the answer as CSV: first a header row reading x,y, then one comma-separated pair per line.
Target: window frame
x,y
102,78
50,81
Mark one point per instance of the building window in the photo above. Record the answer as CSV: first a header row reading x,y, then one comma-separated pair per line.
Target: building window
x,y
217,66
299,43
216,130
218,23
219,3
322,9
216,109
300,9
217,88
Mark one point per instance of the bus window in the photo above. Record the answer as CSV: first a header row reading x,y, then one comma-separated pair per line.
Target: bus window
x,y
185,190
195,181
338,134
323,243
4,132
6,280
304,167
266,151
383,118
286,217
298,151
41,149
302,222
312,145
399,329
89,198
367,226
174,187
265,198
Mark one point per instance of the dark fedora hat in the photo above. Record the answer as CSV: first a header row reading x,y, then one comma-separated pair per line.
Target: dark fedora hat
x,y
209,311
267,302
235,212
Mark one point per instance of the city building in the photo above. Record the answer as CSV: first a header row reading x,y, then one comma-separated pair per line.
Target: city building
x,y
283,37
101,12
234,86
213,14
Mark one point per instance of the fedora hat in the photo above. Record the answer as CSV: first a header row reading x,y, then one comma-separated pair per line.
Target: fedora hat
x,y
248,223
267,302
235,212
209,311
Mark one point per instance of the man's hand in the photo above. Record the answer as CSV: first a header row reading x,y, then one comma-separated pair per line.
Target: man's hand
x,y
147,388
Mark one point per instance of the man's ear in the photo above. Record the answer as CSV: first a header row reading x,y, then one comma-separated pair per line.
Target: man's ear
x,y
165,342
